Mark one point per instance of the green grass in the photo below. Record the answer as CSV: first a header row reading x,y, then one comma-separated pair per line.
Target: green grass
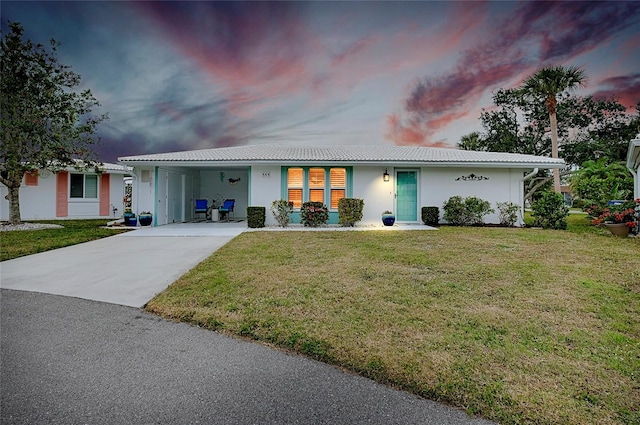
x,y
26,242
516,325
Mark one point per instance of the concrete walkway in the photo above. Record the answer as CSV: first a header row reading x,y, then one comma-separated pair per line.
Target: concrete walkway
x,y
69,360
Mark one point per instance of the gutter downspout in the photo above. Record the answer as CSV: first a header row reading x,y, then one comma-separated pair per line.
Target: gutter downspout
x,y
636,186
524,179
634,173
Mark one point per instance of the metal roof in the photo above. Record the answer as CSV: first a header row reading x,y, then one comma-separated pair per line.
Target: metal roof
x,y
343,154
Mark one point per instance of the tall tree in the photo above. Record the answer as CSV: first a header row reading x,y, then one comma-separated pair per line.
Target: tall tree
x,y
587,128
548,83
44,123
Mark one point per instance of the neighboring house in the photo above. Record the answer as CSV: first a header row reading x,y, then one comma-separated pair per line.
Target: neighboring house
x,y
633,164
398,178
567,194
69,194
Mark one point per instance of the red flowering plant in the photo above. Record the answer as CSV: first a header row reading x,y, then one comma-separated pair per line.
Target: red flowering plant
x,y
624,213
314,214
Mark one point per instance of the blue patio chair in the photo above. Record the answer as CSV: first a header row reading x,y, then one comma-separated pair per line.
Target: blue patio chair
x,y
227,208
201,207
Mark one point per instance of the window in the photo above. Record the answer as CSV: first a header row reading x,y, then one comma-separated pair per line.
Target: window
x,y
338,180
316,185
83,186
295,186
313,184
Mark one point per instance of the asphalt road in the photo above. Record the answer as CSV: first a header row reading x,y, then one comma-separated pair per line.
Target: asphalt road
x,y
66,360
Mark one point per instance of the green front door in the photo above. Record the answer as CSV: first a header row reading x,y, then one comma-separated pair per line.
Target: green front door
x,y
406,195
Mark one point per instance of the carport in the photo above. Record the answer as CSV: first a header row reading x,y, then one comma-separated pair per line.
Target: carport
x,y
170,192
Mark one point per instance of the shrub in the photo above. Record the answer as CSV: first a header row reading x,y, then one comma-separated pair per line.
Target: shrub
x,y
454,210
430,216
550,212
256,216
314,214
477,209
469,211
281,210
508,213
350,211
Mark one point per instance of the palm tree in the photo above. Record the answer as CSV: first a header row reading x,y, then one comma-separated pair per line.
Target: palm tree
x,y
548,83
471,142
602,169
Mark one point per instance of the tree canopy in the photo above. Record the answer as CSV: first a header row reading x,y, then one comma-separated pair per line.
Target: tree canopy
x,y
588,129
44,122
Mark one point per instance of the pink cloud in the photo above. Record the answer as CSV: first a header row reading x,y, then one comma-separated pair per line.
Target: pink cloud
x,y
404,133
250,56
519,45
625,89
354,49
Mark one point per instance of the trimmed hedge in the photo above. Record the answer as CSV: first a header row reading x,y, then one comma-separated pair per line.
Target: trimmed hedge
x,y
256,216
430,216
350,211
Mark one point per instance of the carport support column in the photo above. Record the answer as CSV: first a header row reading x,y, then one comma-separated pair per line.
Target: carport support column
x,y
524,179
183,218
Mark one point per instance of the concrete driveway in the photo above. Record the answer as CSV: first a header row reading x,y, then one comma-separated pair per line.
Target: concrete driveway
x,y
64,359
128,268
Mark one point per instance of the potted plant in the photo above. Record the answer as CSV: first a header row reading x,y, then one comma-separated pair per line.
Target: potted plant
x,y
128,215
619,219
388,218
145,218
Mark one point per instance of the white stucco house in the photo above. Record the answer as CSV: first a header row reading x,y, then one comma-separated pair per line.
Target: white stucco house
x,y
69,193
633,164
402,179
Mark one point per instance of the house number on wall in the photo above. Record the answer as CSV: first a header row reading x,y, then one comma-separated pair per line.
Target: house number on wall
x,y
472,177
266,174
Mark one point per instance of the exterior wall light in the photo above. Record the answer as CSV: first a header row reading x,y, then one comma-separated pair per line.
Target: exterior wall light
x,y
385,176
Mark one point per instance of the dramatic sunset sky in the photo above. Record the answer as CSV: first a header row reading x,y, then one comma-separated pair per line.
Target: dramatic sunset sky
x,y
193,75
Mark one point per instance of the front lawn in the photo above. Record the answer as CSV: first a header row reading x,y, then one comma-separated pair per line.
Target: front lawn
x,y
516,325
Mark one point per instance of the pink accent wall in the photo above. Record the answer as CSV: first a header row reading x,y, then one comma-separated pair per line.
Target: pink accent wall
x,y
105,194
62,197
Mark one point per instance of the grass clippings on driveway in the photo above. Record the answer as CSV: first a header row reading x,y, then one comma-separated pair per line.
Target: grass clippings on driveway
x,y
516,325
